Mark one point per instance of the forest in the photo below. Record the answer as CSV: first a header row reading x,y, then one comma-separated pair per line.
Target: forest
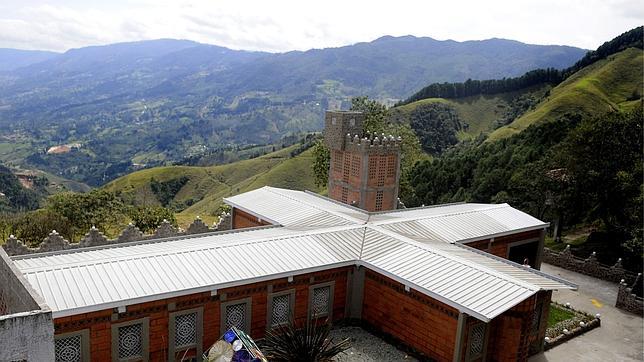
x,y
572,171
632,38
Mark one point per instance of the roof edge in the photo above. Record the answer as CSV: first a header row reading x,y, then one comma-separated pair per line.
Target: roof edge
x,y
207,288
501,234
573,286
246,210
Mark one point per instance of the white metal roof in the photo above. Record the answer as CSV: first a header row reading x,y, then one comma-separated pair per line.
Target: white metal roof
x,y
412,246
82,280
459,223
466,285
296,209
463,222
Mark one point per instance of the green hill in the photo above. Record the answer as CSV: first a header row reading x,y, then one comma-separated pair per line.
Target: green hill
x,y
206,186
611,84
480,112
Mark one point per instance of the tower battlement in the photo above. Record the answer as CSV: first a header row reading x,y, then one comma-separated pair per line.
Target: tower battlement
x,y
372,143
365,168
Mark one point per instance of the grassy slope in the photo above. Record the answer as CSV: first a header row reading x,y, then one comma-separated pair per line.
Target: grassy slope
x,y
479,112
208,185
596,89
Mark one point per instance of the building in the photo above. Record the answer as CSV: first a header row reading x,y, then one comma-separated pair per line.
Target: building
x,y
364,170
438,279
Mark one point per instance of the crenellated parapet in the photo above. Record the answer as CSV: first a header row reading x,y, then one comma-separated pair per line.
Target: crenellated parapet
x,y
94,237
372,143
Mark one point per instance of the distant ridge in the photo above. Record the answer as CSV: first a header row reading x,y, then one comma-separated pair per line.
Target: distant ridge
x,y
11,59
157,102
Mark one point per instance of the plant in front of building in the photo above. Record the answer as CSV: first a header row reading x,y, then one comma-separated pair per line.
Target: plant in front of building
x,y
310,343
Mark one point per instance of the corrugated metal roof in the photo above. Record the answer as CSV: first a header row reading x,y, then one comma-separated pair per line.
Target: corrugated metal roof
x,y
80,280
505,266
459,223
296,209
470,287
76,281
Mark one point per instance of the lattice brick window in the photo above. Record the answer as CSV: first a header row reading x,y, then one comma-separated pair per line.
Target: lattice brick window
x,y
476,341
536,317
69,349
355,166
345,194
379,197
346,168
336,162
185,330
373,166
130,341
281,308
321,301
381,171
391,166
236,316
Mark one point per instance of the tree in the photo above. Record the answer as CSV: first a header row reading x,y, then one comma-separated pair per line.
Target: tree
x,y
148,218
604,159
436,125
97,208
375,113
321,162
32,227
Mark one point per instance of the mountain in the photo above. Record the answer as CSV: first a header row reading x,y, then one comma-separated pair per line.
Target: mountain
x,y
567,150
11,59
611,84
204,187
157,102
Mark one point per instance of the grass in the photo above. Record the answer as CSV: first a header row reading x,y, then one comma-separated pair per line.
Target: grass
x,y
207,186
479,112
597,89
558,314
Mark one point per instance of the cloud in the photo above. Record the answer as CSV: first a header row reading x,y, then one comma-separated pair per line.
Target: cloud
x,y
298,25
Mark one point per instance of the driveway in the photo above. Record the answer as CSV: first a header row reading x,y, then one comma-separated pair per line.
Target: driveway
x,y
620,337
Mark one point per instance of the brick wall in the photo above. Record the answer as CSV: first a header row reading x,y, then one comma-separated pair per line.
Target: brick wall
x,y
100,323
242,219
420,322
500,246
510,333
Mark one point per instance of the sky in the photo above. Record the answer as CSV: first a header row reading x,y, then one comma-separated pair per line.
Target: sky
x,y
284,25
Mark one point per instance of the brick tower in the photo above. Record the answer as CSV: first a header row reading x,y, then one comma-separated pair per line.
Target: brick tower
x,y
364,169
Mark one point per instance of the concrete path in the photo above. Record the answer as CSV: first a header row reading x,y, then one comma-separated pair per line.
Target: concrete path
x,y
620,337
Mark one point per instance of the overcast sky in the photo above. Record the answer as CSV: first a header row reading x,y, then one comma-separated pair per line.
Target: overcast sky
x,y
281,25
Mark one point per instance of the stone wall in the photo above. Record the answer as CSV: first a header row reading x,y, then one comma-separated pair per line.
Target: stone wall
x,y
94,237
16,295
27,336
589,266
628,301
26,327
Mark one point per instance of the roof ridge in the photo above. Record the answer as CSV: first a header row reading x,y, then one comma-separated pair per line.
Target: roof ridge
x,y
346,217
200,247
464,212
517,265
